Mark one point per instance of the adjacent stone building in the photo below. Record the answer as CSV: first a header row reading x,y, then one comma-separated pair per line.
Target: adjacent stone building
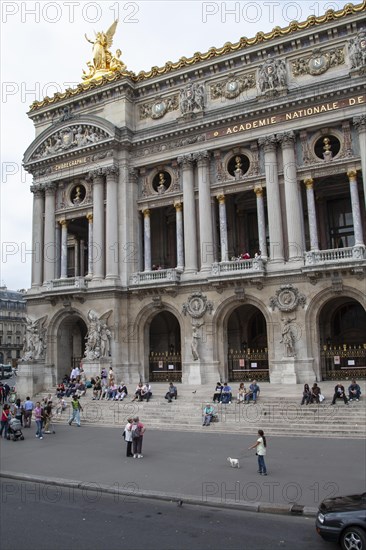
x,y
206,220
12,325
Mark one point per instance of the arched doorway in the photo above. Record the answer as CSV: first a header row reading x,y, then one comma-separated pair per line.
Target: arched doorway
x,y
247,344
165,348
70,344
342,324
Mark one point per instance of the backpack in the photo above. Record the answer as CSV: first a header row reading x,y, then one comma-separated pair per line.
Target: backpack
x,y
136,432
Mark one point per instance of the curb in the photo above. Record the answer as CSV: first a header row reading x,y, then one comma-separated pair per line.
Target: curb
x,y
291,509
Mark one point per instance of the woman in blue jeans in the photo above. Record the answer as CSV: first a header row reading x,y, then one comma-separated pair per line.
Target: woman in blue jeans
x,y
260,445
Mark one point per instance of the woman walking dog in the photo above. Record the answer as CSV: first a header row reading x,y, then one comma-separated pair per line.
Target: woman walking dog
x,y
260,446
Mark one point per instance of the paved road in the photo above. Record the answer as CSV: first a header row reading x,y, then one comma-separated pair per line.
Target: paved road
x,y
300,469
62,519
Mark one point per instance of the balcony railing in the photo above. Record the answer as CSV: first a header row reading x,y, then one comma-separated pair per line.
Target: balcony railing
x,y
335,256
160,276
70,283
253,266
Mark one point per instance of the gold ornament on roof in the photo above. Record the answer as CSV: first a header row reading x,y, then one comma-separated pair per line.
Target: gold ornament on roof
x,y
103,61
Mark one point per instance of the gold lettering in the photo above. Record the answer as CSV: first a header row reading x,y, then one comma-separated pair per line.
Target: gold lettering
x,y
273,120
241,128
255,124
335,105
235,129
361,99
262,122
316,110
323,108
351,101
228,131
248,125
288,116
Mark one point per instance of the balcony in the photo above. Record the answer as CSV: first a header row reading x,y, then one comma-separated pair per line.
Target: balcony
x,y
71,283
335,257
253,267
159,277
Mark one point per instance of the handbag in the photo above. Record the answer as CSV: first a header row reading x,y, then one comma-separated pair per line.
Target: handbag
x,y
124,434
321,397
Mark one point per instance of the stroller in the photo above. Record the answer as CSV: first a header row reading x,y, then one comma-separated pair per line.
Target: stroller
x,y
15,430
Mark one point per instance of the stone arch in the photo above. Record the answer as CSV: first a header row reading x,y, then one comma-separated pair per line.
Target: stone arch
x,y
142,331
220,324
66,340
312,320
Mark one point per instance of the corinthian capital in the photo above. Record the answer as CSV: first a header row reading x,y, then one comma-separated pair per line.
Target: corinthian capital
x,y
37,190
286,139
112,170
201,156
185,160
359,122
269,143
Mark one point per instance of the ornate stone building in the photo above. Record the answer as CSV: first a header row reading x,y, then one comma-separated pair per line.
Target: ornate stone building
x,y
206,220
12,325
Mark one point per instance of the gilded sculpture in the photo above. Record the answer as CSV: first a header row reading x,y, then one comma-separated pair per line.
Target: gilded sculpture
x,y
103,60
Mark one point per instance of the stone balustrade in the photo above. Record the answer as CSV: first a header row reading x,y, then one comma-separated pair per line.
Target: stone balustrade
x,y
336,255
154,277
255,265
70,282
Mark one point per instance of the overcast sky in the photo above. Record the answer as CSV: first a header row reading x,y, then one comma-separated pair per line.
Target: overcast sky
x,y
43,50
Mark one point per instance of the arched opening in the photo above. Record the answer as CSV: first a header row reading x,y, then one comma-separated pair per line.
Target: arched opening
x,y
247,344
70,344
342,324
165,348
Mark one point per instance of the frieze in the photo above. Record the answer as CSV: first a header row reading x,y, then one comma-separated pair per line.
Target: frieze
x,y
159,107
357,52
233,86
69,138
272,76
287,299
318,63
161,147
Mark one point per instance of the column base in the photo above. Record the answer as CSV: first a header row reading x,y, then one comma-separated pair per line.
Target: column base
x,y
92,368
192,373
290,370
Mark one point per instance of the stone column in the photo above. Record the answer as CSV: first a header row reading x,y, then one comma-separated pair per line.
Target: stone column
x,y
63,224
77,258
205,218
82,261
112,223
49,255
58,251
261,220
313,226
147,240
294,214
189,221
269,144
90,248
179,232
360,124
98,224
223,228
356,212
37,235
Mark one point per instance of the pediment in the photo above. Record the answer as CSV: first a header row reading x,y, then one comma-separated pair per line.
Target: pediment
x,y
70,136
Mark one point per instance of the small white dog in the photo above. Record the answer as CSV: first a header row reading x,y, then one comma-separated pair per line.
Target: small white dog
x,y
234,462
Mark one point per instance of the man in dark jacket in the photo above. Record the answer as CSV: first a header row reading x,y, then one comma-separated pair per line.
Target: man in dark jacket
x,y
339,393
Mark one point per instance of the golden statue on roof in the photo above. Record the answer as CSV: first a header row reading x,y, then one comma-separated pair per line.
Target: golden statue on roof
x,y
103,60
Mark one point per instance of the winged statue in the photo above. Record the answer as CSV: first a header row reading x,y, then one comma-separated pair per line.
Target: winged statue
x,y
99,335
34,343
103,60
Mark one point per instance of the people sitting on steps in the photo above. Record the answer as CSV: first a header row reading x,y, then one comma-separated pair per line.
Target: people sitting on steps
x,y
146,392
339,393
253,392
217,392
306,395
208,413
241,392
354,391
172,393
138,392
315,393
226,396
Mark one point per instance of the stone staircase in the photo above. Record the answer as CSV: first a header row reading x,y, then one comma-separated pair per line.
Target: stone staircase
x,y
276,414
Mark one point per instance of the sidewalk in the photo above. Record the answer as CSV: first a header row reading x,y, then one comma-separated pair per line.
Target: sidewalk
x,y
191,466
